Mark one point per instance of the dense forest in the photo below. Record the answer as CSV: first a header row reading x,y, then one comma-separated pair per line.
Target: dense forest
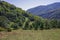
x,y
13,18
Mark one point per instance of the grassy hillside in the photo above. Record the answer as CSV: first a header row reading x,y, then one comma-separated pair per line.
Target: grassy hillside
x,y
53,34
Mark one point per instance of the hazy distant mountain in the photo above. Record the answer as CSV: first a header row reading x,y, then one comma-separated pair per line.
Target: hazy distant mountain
x,y
47,11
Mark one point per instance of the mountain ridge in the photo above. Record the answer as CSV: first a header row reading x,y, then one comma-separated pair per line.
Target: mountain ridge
x,y
13,18
40,10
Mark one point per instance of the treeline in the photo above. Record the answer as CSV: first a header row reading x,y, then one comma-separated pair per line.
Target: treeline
x,y
12,18
42,24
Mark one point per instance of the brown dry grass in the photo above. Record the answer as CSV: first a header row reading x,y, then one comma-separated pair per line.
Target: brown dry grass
x,y
53,34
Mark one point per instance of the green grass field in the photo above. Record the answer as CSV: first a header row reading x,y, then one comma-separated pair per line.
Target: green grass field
x,y
53,34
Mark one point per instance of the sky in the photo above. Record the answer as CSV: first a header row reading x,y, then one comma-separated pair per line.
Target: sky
x,y
27,4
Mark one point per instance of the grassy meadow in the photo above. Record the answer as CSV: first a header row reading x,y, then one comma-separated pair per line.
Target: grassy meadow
x,y
53,34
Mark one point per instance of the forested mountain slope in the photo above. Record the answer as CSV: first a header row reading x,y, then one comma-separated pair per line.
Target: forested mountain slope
x,y
12,17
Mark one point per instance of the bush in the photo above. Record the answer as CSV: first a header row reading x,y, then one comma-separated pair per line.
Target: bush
x,y
14,26
2,29
9,29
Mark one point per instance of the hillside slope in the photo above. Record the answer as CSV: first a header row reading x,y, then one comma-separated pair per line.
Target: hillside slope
x,y
12,18
47,11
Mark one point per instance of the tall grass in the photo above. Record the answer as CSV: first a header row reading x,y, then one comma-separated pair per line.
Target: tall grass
x,y
53,34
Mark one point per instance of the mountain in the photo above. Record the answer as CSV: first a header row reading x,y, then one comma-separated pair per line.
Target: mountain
x,y
50,11
13,18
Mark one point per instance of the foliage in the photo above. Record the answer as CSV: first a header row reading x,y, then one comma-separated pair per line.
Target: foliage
x,y
12,18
